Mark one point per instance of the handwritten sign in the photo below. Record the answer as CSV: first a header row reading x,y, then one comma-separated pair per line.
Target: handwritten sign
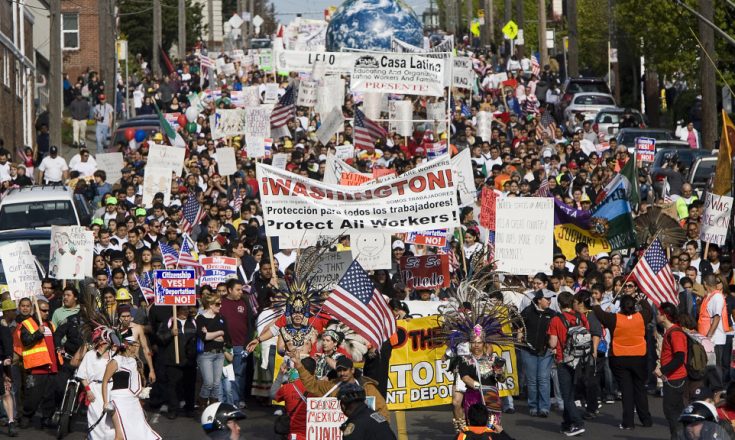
x,y
487,211
330,269
323,418
425,272
20,270
258,121
175,287
716,219
354,179
169,157
250,96
157,179
462,74
307,94
255,146
226,162
524,235
344,152
72,249
271,93
280,160
111,164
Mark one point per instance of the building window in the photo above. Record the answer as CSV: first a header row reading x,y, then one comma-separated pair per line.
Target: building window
x,y
70,31
6,67
18,79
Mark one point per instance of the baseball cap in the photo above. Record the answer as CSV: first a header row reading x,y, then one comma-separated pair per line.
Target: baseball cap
x,y
702,393
101,97
345,363
98,221
398,244
601,256
8,304
53,149
111,201
140,212
543,293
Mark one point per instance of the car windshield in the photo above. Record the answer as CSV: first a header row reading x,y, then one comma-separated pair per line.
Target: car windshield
x,y
576,87
593,100
39,248
629,137
37,215
704,170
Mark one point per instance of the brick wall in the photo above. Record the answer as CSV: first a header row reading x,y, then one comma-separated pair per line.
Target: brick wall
x,y
76,62
11,105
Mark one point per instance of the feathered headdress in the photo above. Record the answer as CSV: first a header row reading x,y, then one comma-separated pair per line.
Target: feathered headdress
x,y
347,340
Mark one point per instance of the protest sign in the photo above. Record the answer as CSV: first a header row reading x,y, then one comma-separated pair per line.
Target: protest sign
x,y
271,93
168,157
172,119
524,234
226,162
218,270
372,104
436,238
332,123
716,219
403,117
437,112
228,69
464,177
255,146
354,179
420,199
371,249
302,61
484,125
307,94
398,73
257,121
329,270
228,122
265,59
176,287
424,308
71,254
330,94
425,272
20,270
645,149
334,169
250,96
437,149
379,173
487,210
323,418
111,164
344,152
157,179
280,160
463,76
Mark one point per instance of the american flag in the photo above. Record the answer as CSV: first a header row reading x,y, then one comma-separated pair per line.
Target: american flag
x,y
654,275
205,61
187,255
357,303
193,214
237,203
146,288
535,66
366,131
543,189
170,256
284,110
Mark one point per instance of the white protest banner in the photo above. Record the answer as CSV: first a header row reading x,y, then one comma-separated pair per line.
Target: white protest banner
x,y
258,121
307,94
228,122
318,72
464,177
280,160
437,112
71,254
255,146
332,124
323,418
302,61
716,219
271,93
334,169
372,103
331,267
157,179
463,76
226,162
344,152
420,199
524,234
20,270
371,249
168,157
484,125
228,69
111,164
398,73
250,96
330,94
403,117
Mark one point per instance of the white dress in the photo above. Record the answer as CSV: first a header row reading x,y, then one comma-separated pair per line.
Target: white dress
x,y
92,369
128,409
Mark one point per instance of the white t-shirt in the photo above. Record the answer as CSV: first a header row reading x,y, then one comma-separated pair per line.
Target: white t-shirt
x,y
53,168
714,308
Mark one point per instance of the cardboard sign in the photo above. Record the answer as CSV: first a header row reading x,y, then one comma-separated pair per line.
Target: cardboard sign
x,y
226,162
307,94
330,269
354,179
332,124
487,211
645,149
71,254
406,74
255,146
20,270
716,219
157,179
168,157
344,152
111,164
218,270
271,93
280,160
175,287
524,235
371,249
463,76
258,121
425,272
323,418
465,178
437,238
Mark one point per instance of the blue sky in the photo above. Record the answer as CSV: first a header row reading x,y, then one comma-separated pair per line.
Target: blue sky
x,y
286,9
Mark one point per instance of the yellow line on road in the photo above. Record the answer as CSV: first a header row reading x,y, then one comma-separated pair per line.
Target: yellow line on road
x,y
401,424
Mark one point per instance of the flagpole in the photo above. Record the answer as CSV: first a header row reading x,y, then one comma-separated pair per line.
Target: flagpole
x,y
655,236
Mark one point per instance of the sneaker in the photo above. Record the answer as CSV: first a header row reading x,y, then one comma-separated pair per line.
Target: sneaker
x,y
533,413
543,414
609,399
242,405
625,428
12,432
278,412
573,431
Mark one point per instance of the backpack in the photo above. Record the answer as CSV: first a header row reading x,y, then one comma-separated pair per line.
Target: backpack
x,y
696,356
578,346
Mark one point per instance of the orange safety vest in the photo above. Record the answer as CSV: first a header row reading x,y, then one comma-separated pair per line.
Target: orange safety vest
x,y
17,345
704,322
629,336
38,355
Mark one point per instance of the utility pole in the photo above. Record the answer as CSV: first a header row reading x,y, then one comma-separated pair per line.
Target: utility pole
x,y
490,21
107,11
54,80
707,76
543,51
210,25
508,13
470,13
182,29
573,55
251,9
521,25
156,59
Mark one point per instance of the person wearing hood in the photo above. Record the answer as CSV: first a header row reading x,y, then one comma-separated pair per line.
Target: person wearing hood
x,y
536,356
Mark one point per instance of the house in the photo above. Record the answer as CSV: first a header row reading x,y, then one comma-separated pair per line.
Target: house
x,y
80,43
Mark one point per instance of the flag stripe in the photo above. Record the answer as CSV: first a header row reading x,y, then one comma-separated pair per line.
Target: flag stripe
x,y
654,275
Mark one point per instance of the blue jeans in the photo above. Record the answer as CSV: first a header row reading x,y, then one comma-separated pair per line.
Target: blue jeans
x,y
228,390
101,132
538,380
238,364
210,367
566,385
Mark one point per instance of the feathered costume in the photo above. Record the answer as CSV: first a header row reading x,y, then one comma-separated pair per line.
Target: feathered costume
x,y
347,341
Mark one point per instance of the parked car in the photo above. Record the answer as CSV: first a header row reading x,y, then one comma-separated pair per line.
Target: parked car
x,y
148,123
627,136
701,173
572,86
686,156
608,119
588,104
38,239
43,206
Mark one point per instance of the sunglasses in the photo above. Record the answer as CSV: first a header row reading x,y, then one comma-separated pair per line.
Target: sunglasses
x,y
218,304
630,286
44,310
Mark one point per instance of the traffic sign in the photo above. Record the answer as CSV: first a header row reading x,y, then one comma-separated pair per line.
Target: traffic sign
x,y
175,287
257,21
510,30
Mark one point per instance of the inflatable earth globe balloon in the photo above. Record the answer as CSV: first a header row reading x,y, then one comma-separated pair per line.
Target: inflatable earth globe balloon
x,y
370,24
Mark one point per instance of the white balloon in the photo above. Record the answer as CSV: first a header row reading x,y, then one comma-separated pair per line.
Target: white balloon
x,y
191,114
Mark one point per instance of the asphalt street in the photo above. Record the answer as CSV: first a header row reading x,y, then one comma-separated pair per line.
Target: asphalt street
x,y
425,424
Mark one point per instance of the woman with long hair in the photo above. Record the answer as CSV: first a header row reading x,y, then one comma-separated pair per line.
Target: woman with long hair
x,y
144,262
92,370
212,331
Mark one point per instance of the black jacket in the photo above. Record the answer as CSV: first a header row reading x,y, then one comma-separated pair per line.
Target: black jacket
x,y
537,323
364,424
187,343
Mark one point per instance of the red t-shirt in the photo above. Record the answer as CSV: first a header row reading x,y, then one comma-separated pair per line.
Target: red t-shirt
x,y
558,329
236,317
318,322
295,407
675,341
